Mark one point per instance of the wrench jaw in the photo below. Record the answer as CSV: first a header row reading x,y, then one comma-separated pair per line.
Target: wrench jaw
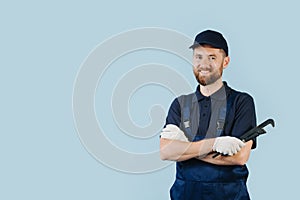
x,y
267,122
272,122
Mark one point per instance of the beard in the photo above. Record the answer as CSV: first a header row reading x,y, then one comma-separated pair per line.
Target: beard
x,y
212,77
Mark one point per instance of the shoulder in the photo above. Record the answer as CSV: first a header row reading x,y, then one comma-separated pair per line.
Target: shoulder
x,y
239,97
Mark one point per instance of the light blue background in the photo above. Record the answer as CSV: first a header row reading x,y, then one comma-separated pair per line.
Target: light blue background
x,y
43,44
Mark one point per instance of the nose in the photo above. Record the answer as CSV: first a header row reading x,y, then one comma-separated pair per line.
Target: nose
x,y
202,64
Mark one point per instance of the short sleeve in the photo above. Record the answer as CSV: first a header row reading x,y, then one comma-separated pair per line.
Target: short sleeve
x,y
174,114
245,117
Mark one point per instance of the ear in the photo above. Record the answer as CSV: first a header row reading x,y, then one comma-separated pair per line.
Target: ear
x,y
226,62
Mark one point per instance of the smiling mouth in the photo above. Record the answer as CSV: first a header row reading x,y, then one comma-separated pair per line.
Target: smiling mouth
x,y
204,72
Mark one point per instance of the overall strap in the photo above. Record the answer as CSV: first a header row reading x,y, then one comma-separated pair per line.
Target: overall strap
x,y
221,120
223,112
189,115
186,114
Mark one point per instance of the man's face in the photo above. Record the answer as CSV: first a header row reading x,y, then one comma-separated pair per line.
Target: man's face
x,y
208,64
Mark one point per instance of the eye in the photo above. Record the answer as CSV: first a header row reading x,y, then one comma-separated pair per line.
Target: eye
x,y
212,58
198,57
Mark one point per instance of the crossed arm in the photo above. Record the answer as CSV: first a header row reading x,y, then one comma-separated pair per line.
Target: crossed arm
x,y
176,150
179,151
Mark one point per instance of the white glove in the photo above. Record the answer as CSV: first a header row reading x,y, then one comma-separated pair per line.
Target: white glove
x,y
172,132
228,145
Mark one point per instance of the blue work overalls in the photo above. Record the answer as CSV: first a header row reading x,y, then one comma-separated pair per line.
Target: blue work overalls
x,y
199,180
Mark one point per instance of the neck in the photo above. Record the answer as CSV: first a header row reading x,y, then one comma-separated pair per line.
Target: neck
x,y
208,90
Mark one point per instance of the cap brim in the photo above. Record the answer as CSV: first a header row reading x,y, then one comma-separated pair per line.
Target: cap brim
x,y
194,46
205,42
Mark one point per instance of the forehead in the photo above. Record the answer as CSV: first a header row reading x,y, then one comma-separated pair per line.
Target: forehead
x,y
207,50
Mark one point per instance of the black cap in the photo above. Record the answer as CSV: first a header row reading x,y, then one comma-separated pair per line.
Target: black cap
x,y
213,38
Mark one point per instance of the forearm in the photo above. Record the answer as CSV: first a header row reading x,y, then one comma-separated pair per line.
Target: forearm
x,y
180,151
238,159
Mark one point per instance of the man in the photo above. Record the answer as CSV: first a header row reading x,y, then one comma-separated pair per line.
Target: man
x,y
217,117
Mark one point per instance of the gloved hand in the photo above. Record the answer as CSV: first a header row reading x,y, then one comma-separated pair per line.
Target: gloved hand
x,y
228,145
172,132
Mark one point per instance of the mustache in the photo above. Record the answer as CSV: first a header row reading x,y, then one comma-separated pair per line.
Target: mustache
x,y
203,68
